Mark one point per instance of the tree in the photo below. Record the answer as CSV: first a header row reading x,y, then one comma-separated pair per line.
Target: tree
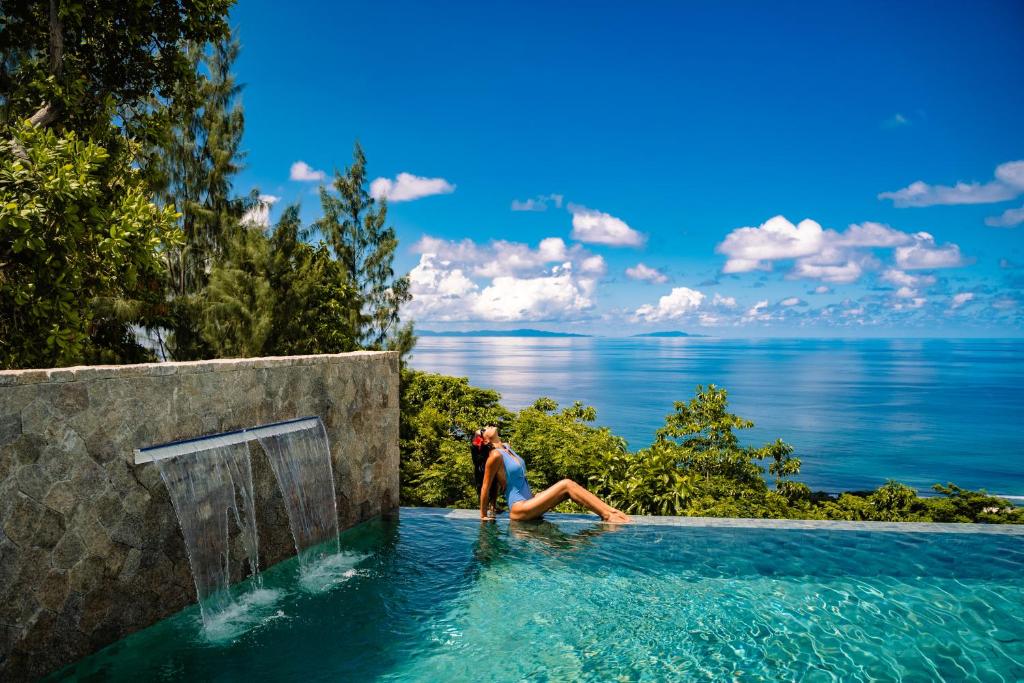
x,y
78,63
277,295
354,225
80,251
192,161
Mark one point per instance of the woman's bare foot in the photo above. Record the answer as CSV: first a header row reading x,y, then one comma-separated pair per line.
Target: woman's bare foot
x,y
617,517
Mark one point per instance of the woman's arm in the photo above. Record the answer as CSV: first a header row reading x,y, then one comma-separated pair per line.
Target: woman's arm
x,y
490,471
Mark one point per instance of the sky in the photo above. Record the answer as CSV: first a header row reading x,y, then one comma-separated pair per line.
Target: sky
x,y
725,168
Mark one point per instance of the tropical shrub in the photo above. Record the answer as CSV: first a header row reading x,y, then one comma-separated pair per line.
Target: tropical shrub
x,y
80,251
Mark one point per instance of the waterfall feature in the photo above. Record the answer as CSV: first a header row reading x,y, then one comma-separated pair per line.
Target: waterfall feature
x,y
209,489
210,483
301,461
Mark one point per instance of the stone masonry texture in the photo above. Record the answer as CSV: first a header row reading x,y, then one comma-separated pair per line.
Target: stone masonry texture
x,y
90,548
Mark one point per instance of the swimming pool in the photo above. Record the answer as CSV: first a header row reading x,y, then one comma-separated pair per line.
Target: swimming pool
x,y
439,597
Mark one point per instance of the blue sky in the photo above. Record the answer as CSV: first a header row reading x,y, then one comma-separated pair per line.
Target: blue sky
x,y
675,149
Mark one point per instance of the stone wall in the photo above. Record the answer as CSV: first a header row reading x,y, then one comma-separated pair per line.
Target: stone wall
x,y
90,548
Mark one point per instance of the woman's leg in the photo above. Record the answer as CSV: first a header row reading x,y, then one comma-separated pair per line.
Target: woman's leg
x,y
553,495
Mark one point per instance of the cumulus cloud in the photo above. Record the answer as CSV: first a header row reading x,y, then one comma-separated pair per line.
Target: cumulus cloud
x,y
503,257
538,203
442,291
837,273
594,265
1007,219
407,187
758,311
748,248
829,255
590,225
793,301
725,301
822,289
303,172
676,304
961,299
517,282
903,279
1008,183
556,296
924,254
868,234
646,273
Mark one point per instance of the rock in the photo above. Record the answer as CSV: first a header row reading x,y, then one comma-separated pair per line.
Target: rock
x,y
10,428
68,551
22,519
32,481
54,590
60,497
88,574
50,529
72,398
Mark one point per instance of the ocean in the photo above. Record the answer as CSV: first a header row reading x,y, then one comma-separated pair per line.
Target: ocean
x,y
858,412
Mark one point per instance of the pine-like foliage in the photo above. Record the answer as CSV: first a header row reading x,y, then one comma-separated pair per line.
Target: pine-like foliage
x,y
192,165
354,225
277,295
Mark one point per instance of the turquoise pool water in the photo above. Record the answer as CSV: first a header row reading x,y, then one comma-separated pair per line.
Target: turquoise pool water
x,y
440,597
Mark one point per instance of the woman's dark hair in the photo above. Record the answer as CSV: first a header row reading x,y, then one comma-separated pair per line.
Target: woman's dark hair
x,y
480,449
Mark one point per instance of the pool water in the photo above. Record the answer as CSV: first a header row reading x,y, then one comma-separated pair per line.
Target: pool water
x,y
438,596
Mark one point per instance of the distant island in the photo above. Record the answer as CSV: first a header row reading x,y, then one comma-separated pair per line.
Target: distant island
x,y
670,333
499,333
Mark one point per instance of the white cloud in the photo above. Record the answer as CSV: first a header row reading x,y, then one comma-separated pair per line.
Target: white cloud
x,y
1007,219
1008,183
407,187
869,234
726,301
828,255
822,289
269,199
594,265
675,304
793,301
748,248
901,278
961,299
439,290
590,225
538,203
442,291
550,282
904,305
924,254
643,272
840,274
304,172
540,298
502,257
758,311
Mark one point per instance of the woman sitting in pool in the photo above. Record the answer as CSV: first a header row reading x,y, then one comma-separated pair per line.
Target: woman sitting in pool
x,y
522,504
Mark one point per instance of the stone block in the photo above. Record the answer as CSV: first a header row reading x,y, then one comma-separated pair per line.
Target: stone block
x,y
68,551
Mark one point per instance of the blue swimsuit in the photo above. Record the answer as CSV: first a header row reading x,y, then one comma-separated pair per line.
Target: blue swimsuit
x,y
517,488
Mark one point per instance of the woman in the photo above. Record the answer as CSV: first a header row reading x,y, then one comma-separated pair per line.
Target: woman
x,y
522,504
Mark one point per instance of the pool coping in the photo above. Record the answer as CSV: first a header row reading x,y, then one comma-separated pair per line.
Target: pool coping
x,y
749,523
